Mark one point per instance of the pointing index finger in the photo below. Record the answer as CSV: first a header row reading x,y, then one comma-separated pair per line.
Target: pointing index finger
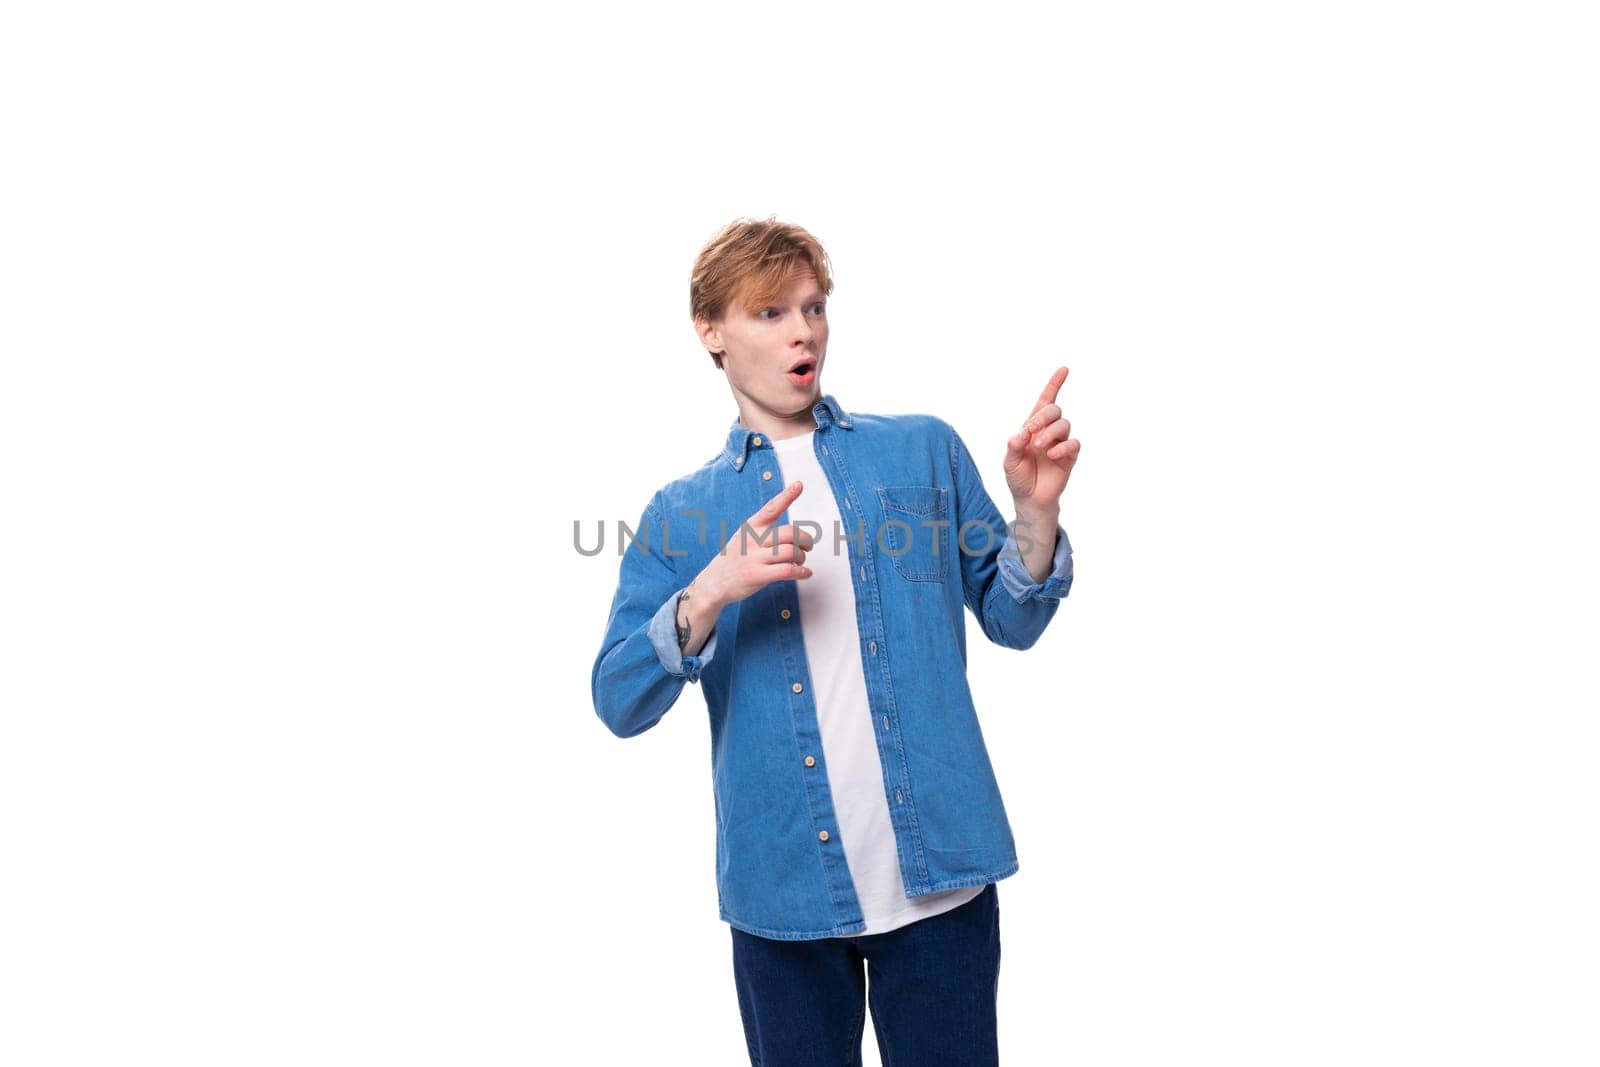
x,y
1052,387
768,513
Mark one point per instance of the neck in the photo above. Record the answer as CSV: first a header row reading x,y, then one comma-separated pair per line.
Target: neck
x,y
776,425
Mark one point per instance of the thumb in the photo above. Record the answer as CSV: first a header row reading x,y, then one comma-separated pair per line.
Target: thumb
x,y
1016,450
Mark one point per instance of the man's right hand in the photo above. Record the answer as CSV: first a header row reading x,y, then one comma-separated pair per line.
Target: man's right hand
x,y
752,562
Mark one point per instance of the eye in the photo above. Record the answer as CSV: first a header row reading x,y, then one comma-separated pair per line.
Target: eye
x,y
763,312
820,307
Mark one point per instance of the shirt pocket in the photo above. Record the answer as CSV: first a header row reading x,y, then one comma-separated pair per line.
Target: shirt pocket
x,y
921,553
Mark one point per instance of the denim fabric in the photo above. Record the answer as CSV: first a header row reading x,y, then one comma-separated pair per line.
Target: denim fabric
x,y
933,993
925,541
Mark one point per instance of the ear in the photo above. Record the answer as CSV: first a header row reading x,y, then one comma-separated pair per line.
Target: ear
x,y
709,334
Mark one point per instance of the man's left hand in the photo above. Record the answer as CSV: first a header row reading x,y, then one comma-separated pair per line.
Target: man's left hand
x,y
1040,457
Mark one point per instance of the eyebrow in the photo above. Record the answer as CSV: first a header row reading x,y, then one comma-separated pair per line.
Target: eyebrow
x,y
816,297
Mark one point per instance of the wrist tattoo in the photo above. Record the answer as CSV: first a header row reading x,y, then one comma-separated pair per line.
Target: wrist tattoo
x,y
684,629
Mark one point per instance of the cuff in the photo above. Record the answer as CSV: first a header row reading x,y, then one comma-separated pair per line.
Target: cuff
x,y
664,636
1020,584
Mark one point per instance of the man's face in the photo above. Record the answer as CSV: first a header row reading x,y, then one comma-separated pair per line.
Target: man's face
x,y
773,354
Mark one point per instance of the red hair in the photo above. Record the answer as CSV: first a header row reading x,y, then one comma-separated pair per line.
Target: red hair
x,y
749,261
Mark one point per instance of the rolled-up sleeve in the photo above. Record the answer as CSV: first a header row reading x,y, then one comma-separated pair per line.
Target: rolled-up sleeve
x,y
1020,584
664,636
640,672
1011,607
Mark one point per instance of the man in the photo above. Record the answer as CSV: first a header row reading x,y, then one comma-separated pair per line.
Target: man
x,y
859,823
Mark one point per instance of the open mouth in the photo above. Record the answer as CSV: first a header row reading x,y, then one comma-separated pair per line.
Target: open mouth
x,y
804,372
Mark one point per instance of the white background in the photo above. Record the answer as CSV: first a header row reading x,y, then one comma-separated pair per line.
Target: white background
x,y
322,323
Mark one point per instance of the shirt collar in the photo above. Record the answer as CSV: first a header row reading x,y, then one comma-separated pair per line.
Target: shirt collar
x,y
826,411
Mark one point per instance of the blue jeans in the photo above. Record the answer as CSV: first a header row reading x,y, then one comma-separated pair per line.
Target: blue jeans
x,y
933,992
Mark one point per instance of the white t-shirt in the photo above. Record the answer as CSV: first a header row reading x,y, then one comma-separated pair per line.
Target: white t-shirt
x,y
839,685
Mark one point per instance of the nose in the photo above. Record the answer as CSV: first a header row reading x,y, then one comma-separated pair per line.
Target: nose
x,y
803,332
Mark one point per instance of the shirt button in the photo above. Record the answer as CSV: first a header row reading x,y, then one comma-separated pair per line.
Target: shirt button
x,y
784,613
846,501
811,761
872,646
766,476
797,687
898,799
886,722
863,574
824,450
823,835
756,440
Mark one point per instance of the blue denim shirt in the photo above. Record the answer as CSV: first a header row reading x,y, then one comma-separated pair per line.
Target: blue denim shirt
x,y
924,540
